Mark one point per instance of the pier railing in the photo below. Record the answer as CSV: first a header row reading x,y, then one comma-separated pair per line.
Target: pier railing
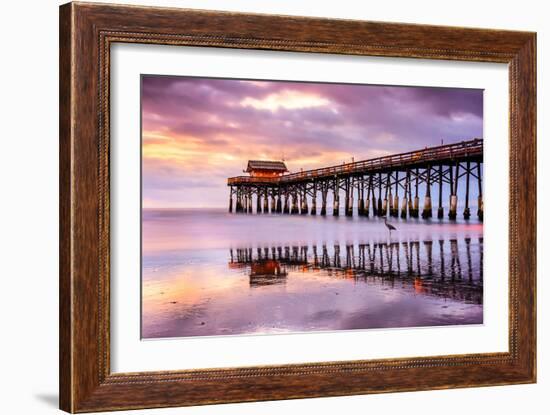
x,y
464,149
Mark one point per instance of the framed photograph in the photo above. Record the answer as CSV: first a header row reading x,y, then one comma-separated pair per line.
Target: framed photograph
x,y
259,207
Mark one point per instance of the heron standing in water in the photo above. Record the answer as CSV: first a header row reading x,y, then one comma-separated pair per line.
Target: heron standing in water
x,y
389,226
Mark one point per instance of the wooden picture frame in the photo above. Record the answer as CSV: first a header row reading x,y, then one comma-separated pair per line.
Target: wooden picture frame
x,y
86,33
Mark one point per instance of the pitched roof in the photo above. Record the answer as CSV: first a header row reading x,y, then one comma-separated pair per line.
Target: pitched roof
x,y
266,165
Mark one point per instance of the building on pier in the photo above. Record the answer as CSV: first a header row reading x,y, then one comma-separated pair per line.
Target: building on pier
x,y
266,168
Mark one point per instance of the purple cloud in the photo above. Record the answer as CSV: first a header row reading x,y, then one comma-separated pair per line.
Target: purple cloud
x,y
203,130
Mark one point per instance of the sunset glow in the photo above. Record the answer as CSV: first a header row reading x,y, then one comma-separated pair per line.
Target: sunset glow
x,y
197,132
286,99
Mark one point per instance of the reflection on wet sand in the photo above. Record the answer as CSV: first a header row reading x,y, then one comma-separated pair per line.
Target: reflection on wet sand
x,y
305,274
411,264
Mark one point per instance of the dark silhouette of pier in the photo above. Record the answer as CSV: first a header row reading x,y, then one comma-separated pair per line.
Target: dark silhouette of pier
x,y
376,183
446,268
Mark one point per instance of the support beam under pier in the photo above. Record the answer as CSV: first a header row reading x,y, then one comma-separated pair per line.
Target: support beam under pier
x,y
467,195
480,193
440,195
336,200
427,211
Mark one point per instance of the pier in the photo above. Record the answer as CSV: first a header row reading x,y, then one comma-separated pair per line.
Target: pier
x,y
384,186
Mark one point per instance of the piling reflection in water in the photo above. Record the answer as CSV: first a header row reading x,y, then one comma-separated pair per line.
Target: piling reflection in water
x,y
209,273
444,273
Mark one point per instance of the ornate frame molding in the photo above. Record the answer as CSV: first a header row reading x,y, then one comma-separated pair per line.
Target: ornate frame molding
x,y
86,34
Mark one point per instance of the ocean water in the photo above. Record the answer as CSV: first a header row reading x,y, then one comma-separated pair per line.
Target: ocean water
x,y
207,272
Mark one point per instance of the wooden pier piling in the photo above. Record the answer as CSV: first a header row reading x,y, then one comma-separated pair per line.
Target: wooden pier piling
x,y
373,198
440,195
394,212
480,193
303,206
452,197
416,199
294,209
379,207
336,198
273,204
324,194
427,211
314,200
360,197
467,195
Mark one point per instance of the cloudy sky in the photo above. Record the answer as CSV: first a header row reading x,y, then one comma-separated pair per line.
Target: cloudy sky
x,y
197,132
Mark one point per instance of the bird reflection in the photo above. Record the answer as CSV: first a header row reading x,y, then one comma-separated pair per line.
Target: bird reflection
x,y
457,272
